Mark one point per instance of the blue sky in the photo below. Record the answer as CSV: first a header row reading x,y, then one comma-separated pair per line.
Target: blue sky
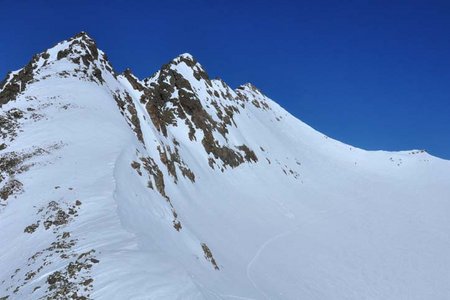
x,y
374,74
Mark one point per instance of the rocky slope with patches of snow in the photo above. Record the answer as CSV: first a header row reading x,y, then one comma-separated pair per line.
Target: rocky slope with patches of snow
x,y
180,187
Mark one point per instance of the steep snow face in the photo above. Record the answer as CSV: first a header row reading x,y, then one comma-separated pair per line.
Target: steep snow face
x,y
179,187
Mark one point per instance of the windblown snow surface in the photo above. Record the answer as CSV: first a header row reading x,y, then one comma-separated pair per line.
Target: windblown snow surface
x,y
179,187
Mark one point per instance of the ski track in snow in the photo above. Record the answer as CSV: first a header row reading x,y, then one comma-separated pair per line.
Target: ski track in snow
x,y
258,253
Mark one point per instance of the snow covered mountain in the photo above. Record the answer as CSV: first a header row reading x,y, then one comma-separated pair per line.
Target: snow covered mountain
x,y
179,187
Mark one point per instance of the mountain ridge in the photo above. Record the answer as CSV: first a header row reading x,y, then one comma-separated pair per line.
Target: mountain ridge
x,y
15,81
65,47
178,186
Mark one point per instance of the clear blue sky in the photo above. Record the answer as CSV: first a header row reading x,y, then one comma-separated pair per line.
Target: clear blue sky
x,y
374,74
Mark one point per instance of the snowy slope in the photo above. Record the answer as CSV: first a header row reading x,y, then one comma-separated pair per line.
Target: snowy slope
x,y
179,187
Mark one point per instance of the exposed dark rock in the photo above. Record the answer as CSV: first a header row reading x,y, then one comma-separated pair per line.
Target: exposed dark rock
x,y
31,228
97,73
177,225
69,283
172,160
249,154
125,103
18,82
133,80
11,187
45,55
155,175
9,124
137,166
209,256
62,54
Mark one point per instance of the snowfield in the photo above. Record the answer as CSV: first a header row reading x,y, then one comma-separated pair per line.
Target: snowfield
x,y
179,187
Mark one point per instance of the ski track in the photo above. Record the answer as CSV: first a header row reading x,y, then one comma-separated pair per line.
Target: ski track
x,y
258,253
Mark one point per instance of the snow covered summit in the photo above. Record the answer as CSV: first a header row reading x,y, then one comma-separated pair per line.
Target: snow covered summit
x,y
180,187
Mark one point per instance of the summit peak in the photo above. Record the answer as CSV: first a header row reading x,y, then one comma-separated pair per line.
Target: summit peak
x,y
180,64
187,58
83,35
249,87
